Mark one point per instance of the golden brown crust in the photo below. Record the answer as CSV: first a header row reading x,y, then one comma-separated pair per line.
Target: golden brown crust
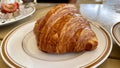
x,y
62,30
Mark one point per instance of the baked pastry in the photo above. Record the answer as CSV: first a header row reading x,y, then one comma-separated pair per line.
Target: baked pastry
x,y
64,30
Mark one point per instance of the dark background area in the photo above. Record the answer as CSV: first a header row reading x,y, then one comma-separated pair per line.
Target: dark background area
x,y
53,1
50,1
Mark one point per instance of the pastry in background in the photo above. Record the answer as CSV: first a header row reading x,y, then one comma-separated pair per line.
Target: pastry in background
x,y
9,10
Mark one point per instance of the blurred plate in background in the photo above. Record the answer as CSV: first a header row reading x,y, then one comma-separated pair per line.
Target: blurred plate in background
x,y
115,31
24,12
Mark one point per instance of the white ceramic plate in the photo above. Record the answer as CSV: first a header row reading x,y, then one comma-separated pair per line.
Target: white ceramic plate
x,y
19,49
24,12
115,31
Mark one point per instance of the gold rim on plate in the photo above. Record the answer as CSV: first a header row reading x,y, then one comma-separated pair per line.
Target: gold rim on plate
x,y
96,61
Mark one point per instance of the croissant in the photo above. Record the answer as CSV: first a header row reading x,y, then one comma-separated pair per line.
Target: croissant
x,y
64,30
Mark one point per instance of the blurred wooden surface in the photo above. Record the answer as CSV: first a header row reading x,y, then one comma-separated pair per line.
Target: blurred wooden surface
x,y
113,61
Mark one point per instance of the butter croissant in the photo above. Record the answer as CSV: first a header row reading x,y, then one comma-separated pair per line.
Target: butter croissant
x,y
64,30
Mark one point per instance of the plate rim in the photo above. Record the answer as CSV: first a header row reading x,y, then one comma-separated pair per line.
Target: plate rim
x,y
95,64
34,9
113,34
